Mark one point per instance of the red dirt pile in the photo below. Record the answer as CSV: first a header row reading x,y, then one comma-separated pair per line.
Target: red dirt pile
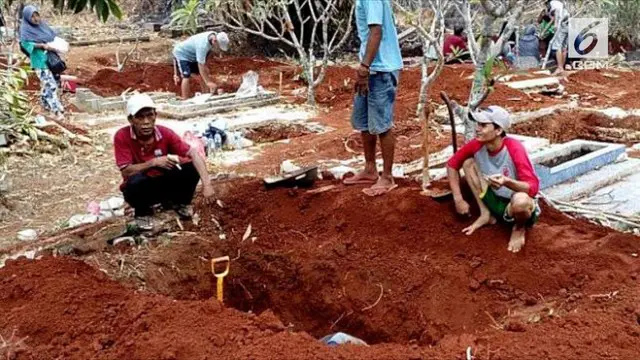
x,y
389,269
605,87
159,77
276,132
570,125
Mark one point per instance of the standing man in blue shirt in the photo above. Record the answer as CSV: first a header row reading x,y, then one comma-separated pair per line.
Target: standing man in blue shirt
x,y
190,57
376,85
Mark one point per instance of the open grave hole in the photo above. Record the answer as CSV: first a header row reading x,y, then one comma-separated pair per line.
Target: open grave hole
x,y
277,131
561,159
386,271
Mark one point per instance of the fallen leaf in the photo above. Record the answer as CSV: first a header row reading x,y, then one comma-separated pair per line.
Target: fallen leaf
x,y
220,203
247,233
253,239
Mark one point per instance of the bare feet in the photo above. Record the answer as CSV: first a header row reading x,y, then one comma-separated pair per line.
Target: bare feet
x,y
484,219
558,72
517,239
363,177
381,187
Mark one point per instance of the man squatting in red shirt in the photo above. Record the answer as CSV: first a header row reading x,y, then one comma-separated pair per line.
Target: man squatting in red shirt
x,y
500,175
157,166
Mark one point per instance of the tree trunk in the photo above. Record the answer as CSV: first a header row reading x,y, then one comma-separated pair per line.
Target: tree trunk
x,y
426,176
311,89
424,82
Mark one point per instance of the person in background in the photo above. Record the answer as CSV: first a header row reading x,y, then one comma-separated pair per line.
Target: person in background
x,y
190,57
35,35
528,49
560,18
455,43
500,174
157,166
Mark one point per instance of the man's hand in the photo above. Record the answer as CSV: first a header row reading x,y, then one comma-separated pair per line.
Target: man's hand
x,y
208,193
362,81
462,207
497,181
164,162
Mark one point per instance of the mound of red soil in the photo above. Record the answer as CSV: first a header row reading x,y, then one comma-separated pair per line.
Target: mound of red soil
x,y
159,77
394,270
275,132
605,87
570,125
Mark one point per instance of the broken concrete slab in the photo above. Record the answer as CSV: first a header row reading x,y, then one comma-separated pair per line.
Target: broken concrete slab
x,y
561,162
549,82
88,101
215,105
588,184
110,40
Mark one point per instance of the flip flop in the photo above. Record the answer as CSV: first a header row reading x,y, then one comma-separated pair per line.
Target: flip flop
x,y
349,181
378,190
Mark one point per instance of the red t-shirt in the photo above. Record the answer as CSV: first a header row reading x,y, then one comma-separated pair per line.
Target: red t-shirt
x,y
451,41
129,151
510,160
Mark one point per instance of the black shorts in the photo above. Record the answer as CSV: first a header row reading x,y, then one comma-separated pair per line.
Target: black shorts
x,y
186,68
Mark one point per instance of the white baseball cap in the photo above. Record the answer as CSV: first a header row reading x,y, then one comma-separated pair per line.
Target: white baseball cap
x,y
223,41
493,115
138,102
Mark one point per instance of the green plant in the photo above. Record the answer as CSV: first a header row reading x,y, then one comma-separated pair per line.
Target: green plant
x,y
187,16
15,109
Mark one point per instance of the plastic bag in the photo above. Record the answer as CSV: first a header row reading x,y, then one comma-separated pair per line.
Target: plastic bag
x,y
60,45
249,86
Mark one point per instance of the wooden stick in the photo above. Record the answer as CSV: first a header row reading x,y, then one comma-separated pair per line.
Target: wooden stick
x,y
377,301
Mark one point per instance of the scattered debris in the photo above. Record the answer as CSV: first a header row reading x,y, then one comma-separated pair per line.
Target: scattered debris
x,y
27,235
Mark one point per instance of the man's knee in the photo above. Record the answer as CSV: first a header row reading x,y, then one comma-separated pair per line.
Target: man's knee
x,y
521,206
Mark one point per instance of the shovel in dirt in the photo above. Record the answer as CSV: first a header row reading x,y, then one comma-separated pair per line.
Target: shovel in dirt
x,y
224,260
299,178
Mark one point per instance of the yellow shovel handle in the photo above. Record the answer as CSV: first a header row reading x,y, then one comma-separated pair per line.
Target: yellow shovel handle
x,y
220,289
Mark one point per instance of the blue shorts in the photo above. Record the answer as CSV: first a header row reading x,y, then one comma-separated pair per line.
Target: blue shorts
x,y
186,68
374,113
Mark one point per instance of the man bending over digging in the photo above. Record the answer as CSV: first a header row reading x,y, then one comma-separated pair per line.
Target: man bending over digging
x,y
156,165
190,57
500,175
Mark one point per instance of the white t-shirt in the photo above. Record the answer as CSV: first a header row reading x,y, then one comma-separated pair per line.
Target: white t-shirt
x,y
559,11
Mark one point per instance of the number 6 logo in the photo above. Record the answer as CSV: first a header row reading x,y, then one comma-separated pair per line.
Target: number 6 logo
x,y
585,35
588,38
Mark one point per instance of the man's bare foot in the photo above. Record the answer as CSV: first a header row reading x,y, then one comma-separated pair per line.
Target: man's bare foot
x,y
517,239
483,219
381,187
363,177
558,72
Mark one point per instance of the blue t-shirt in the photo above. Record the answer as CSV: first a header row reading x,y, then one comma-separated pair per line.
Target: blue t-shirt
x,y
379,12
194,49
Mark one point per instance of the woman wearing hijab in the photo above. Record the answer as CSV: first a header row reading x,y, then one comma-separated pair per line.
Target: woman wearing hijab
x,y
529,49
35,35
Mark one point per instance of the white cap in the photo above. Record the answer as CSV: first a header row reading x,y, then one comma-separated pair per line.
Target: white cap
x,y
138,102
493,115
223,41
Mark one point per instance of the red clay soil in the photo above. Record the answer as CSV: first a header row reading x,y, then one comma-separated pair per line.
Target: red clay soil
x,y
605,88
276,132
570,125
159,77
336,92
394,270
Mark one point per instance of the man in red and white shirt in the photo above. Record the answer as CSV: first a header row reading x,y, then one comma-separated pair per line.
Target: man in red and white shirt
x,y
500,175
157,166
